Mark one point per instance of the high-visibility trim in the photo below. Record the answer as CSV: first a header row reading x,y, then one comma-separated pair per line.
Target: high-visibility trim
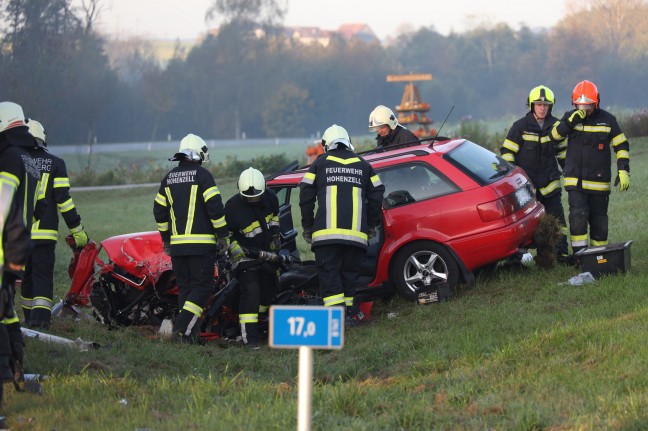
x,y
42,302
219,222
42,189
161,200
557,136
27,303
163,227
552,186
596,243
331,207
274,220
193,239
622,154
544,139
249,318
509,157
66,206
510,145
192,308
375,180
356,205
44,234
263,308
350,161
340,234
10,320
210,193
595,185
593,129
618,139
309,178
348,300
578,240
571,181
169,198
332,300
530,138
60,182
191,211
10,179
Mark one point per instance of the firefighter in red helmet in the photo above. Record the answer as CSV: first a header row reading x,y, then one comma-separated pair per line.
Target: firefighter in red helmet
x,y
591,134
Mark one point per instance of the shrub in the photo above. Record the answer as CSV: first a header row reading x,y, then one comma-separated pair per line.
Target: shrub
x,y
635,124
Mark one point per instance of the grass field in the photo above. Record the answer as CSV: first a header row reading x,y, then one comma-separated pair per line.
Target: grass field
x,y
519,350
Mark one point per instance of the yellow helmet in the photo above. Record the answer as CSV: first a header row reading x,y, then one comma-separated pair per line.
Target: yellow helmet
x,y
541,95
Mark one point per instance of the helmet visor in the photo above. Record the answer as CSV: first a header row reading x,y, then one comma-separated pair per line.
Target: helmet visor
x,y
583,100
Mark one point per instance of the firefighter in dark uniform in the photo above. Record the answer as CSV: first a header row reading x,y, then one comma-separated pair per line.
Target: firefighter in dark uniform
x,y
591,132
530,146
19,179
349,196
252,218
189,213
38,285
383,121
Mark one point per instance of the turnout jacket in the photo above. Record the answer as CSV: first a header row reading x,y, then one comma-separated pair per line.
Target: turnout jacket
x,y
349,196
400,135
588,157
532,148
253,224
188,210
55,190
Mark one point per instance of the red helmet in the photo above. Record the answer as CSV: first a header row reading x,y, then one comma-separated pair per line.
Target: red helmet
x,y
585,93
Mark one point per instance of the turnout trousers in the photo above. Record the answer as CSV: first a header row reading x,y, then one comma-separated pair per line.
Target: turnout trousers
x,y
338,272
195,278
258,288
37,287
585,210
553,206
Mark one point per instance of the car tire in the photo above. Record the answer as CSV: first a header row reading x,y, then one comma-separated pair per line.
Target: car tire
x,y
421,264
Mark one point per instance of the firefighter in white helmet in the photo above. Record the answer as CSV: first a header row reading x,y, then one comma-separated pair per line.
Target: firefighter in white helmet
x,y
190,216
37,288
349,195
383,121
252,217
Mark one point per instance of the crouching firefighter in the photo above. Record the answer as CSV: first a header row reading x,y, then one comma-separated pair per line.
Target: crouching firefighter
x,y
189,213
253,220
349,195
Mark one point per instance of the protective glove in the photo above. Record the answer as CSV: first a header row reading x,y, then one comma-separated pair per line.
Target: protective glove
x,y
623,179
576,118
371,232
222,245
308,234
275,245
236,251
80,236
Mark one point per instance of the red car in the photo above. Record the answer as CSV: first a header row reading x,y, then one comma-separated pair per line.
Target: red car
x,y
450,208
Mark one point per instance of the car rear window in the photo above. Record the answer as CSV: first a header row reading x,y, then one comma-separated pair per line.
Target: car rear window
x,y
482,165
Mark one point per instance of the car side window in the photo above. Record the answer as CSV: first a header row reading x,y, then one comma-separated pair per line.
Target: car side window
x,y
412,183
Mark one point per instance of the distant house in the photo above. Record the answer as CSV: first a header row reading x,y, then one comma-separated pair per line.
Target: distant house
x,y
311,35
360,31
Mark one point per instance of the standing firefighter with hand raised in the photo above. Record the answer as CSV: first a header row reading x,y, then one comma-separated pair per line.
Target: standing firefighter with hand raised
x,y
349,196
530,146
189,213
590,133
37,288
252,217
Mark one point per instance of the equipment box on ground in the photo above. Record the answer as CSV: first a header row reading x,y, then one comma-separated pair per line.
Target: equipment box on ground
x,y
607,259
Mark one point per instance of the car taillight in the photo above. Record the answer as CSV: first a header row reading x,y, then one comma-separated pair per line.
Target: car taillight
x,y
506,205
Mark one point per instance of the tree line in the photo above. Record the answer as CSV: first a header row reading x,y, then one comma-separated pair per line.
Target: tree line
x,y
246,82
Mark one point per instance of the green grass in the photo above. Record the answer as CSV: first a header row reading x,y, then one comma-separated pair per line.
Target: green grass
x,y
519,350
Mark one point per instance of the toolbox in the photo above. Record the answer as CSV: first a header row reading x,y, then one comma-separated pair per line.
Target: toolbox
x,y
606,259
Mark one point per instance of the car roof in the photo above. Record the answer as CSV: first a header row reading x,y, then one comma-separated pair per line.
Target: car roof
x,y
378,157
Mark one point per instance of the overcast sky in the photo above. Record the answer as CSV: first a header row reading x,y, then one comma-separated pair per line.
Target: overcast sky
x,y
185,19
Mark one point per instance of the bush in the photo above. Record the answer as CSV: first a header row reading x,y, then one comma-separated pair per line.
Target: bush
x,y
635,124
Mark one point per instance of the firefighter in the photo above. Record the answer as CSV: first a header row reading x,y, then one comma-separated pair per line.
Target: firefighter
x,y
252,218
189,213
530,146
591,132
18,183
383,121
38,285
349,196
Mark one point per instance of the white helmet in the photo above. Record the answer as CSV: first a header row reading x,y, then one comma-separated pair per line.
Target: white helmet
x,y
335,135
11,115
192,147
251,185
38,132
380,116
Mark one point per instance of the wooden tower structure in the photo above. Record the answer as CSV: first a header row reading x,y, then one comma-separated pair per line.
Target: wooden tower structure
x,y
412,111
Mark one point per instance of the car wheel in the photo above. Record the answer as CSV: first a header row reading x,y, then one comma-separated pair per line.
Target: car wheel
x,y
422,264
